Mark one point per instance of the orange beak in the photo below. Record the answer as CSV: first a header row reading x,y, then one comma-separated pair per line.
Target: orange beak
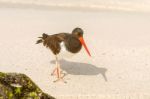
x,y
83,43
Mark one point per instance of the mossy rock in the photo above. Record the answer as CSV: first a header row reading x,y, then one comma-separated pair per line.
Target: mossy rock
x,y
19,86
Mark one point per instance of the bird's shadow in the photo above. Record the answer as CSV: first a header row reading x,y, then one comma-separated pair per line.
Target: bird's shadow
x,y
76,68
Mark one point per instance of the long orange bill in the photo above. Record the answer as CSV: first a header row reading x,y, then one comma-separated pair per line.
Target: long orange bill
x,y
83,43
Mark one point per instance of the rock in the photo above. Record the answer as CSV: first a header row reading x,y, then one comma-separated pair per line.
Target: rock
x,y
19,86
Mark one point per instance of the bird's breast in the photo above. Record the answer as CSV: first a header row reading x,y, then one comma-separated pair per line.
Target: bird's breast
x,y
64,53
73,44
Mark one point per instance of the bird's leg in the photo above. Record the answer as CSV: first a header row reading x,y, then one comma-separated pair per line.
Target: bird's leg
x,y
58,72
54,71
57,68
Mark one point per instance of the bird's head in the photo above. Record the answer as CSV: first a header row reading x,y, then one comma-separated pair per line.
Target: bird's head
x,y
78,32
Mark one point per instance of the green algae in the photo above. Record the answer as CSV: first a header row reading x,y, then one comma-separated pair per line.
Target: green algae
x,y
19,86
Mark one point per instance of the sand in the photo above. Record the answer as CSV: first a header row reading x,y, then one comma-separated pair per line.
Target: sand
x,y
119,43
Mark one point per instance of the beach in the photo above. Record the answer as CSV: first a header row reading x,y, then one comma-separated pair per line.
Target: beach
x,y
118,41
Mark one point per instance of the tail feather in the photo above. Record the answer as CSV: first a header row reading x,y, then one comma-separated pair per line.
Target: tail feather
x,y
39,41
44,36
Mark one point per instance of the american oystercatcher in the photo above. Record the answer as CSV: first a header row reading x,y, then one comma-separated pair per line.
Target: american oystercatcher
x,y
61,43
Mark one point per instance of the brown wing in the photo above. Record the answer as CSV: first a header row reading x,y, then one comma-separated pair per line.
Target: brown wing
x,y
53,42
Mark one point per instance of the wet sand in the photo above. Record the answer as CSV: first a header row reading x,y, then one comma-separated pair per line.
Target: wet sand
x,y
119,43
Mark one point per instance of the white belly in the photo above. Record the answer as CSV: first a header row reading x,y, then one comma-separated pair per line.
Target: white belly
x,y
64,54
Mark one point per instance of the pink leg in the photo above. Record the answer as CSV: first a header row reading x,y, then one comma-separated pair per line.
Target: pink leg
x,y
54,72
58,72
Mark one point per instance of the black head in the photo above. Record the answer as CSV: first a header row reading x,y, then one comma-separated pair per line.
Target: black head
x,y
77,32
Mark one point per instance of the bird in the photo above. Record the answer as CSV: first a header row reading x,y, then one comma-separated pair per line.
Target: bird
x,y
62,43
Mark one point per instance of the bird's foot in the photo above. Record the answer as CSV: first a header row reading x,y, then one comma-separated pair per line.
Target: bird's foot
x,y
55,73
60,79
60,75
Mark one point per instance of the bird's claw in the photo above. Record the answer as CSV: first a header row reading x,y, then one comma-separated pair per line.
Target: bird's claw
x,y
60,75
60,79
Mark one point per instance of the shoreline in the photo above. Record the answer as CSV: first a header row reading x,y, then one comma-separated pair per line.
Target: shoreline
x,y
74,7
